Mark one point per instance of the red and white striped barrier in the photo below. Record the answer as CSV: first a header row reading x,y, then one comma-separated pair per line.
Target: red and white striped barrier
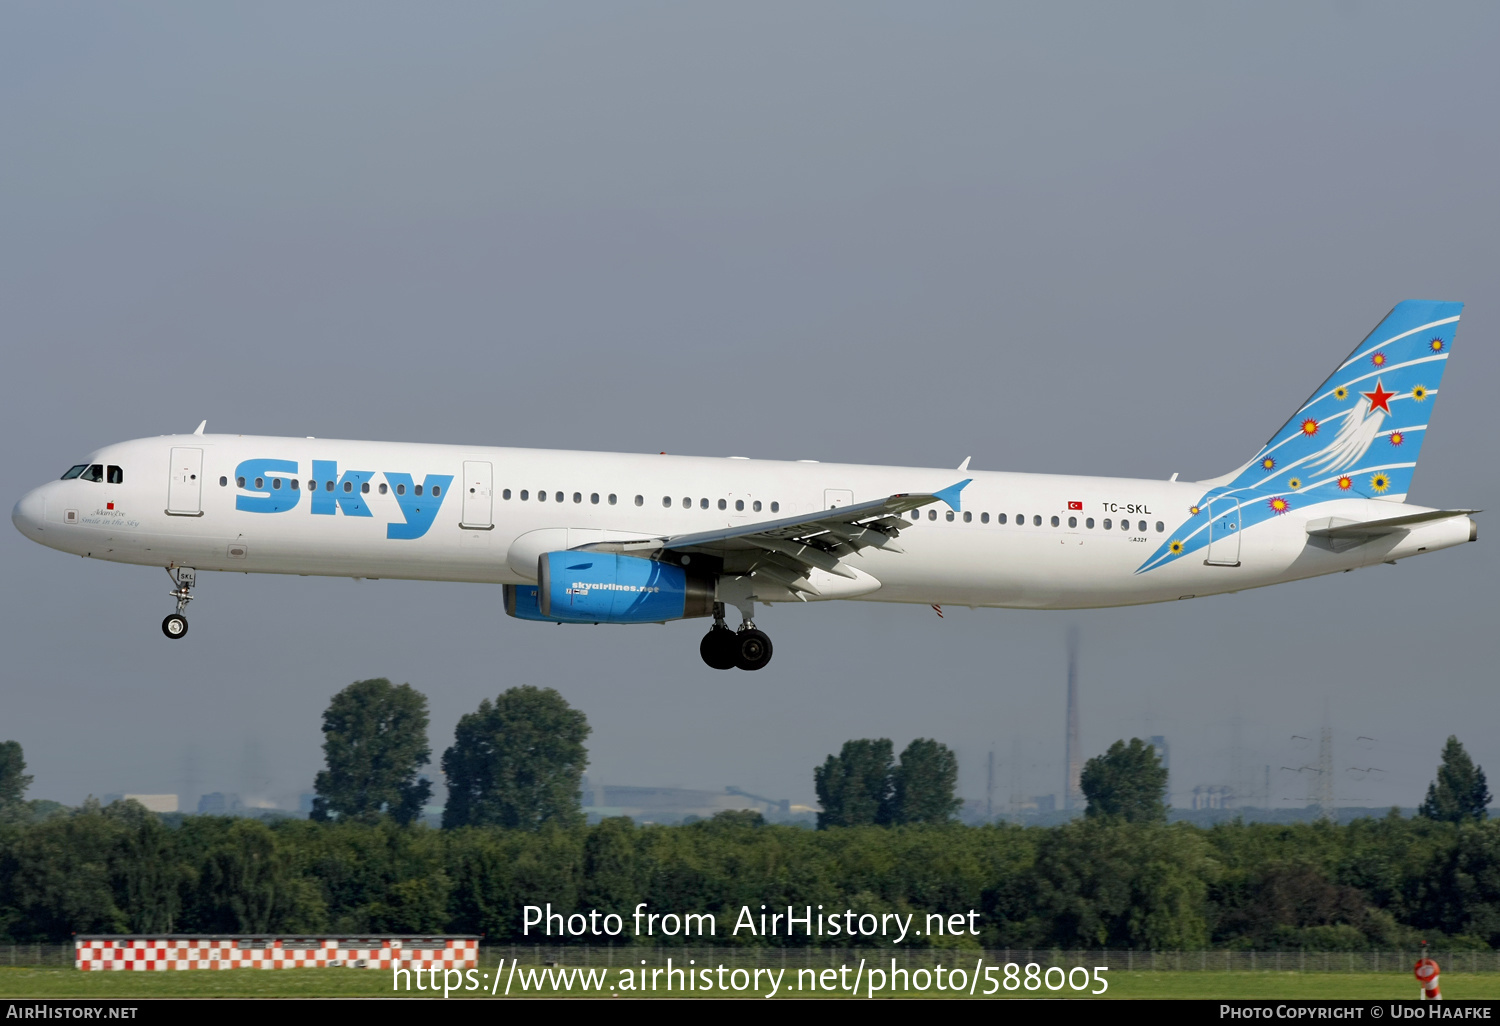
x,y
226,951
1427,975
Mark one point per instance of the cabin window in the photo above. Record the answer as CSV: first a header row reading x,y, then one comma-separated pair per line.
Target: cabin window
x,y
1001,518
328,486
276,483
687,503
578,497
1036,521
640,500
524,493
1141,527
74,471
1020,519
703,504
1124,525
383,488
723,504
558,496
349,486
950,516
984,518
1056,522
775,507
968,518
297,485
114,475
1072,521
612,498
666,502
224,482
436,489
1160,527
755,505
541,496
1089,523
1108,523
505,494
260,484
932,514
739,504
593,498
364,488
240,481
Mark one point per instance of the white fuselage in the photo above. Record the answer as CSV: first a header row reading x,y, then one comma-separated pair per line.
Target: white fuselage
x,y
1033,560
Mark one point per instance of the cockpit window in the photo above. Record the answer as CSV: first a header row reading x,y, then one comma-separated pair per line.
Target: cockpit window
x,y
95,472
114,475
75,471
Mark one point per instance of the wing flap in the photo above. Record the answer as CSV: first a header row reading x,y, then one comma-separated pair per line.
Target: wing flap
x,y
797,545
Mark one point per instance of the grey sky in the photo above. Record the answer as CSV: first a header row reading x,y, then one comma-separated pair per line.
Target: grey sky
x,y
1112,239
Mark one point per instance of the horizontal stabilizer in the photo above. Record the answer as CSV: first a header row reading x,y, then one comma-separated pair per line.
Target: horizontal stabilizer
x,y
1336,527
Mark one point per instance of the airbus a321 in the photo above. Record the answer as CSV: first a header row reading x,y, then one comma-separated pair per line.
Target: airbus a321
x,y
614,538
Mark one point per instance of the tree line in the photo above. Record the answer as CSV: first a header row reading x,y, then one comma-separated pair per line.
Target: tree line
x,y
1099,881
514,835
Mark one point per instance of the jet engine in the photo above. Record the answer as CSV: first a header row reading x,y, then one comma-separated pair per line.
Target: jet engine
x,y
605,587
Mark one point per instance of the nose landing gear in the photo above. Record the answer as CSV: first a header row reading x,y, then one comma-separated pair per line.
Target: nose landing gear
x,y
724,649
183,579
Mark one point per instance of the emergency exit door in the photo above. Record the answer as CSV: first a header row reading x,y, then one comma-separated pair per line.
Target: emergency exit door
x,y
185,485
837,497
478,497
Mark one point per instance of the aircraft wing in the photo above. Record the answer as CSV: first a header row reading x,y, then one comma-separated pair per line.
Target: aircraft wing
x,y
1335,528
788,549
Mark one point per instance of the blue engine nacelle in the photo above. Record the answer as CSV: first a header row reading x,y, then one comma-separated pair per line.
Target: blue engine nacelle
x,y
605,587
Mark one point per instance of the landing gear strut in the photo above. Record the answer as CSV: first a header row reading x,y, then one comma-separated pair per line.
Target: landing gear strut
x,y
748,648
183,579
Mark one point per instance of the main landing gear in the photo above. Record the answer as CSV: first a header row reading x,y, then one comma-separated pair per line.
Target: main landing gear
x,y
183,579
723,649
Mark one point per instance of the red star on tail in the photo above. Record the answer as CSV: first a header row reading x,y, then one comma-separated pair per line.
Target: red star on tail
x,y
1380,399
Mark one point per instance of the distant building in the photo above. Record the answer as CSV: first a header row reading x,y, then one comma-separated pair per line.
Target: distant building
x,y
152,802
1209,796
674,804
219,804
1043,803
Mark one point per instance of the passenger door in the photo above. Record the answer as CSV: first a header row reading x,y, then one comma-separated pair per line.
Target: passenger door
x,y
478,497
1223,533
185,485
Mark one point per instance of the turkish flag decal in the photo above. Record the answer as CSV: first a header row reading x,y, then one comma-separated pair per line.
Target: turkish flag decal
x,y
1075,505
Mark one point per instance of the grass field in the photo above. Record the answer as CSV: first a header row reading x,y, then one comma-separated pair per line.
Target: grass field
x,y
298,983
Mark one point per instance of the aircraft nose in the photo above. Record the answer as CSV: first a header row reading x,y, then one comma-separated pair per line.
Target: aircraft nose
x,y
30,513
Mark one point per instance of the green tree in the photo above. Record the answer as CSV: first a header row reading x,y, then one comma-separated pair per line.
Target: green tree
x,y
1460,791
374,741
517,762
1127,781
854,787
13,778
922,786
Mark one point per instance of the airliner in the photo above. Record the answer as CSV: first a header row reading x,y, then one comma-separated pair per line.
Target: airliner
x,y
618,538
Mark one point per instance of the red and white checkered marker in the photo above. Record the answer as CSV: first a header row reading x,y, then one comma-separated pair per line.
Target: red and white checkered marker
x,y
221,951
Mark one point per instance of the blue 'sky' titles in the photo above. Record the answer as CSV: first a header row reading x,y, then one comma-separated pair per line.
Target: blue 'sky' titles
x,y
270,485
